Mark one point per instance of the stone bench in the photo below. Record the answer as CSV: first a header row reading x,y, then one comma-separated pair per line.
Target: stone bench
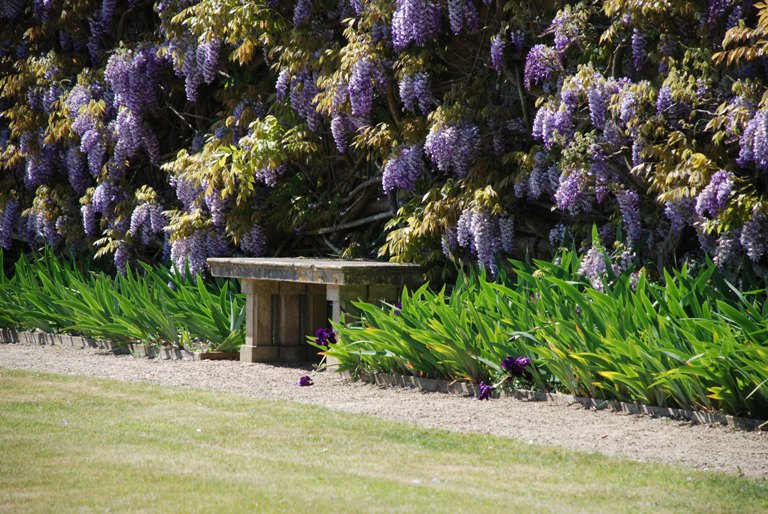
x,y
287,299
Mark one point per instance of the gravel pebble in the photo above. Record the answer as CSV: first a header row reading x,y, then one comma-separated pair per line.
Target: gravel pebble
x,y
638,437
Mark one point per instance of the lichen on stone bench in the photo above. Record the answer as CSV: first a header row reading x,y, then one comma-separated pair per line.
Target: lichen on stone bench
x,y
287,299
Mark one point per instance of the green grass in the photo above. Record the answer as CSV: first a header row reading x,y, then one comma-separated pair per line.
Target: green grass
x,y
80,444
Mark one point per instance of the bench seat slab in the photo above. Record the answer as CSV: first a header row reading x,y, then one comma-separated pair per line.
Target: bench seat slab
x,y
287,299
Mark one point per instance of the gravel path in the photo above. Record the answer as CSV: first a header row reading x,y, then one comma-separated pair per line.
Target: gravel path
x,y
638,437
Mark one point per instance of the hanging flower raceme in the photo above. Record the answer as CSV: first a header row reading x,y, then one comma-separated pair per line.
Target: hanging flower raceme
x,y
148,221
415,21
542,64
403,169
462,14
254,242
754,142
10,214
453,147
497,52
367,77
754,236
484,235
415,92
714,197
629,204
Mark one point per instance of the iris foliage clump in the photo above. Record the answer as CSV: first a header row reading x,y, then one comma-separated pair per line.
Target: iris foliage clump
x,y
693,341
152,305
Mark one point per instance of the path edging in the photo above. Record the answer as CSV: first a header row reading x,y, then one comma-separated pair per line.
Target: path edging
x,y
8,336
467,389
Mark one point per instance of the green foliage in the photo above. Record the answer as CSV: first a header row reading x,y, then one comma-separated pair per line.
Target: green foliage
x,y
694,341
151,305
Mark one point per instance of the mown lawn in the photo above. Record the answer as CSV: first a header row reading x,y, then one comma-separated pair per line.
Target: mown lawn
x,y
80,444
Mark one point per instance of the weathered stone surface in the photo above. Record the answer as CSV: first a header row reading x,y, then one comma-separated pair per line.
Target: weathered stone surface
x,y
317,271
303,290
295,353
259,353
467,389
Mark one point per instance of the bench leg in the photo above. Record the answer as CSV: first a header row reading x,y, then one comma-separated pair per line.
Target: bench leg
x,y
341,298
289,337
316,313
258,345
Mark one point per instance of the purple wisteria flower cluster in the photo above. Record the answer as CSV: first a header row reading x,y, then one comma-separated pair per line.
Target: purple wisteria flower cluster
x,y
302,11
714,197
415,21
680,213
254,242
753,236
88,125
148,221
415,92
566,28
629,205
572,194
133,76
462,14
194,249
11,9
754,142
639,49
340,127
453,148
197,61
484,235
553,126
368,76
542,64
8,218
594,265
403,169
77,170
303,89
497,52
544,179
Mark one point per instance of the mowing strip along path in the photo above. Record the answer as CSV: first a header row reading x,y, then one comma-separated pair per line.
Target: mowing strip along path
x,y
637,437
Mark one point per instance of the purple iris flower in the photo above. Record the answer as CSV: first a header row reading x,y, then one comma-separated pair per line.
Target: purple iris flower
x,y
485,391
325,336
515,365
305,381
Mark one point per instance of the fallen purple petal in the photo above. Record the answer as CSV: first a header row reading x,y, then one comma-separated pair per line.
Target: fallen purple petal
x,y
484,391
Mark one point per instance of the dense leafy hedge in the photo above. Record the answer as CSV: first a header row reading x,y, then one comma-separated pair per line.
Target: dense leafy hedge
x,y
695,342
157,308
180,129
